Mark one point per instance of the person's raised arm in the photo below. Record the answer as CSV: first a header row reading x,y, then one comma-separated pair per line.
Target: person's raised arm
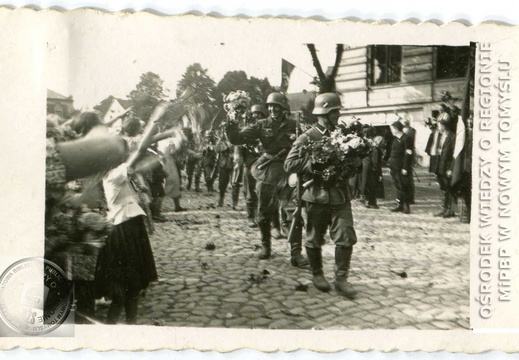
x,y
149,131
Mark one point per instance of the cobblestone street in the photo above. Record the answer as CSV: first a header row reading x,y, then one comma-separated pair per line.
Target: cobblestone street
x,y
411,271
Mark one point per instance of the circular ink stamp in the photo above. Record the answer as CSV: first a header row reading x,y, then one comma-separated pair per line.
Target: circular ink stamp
x,y
35,296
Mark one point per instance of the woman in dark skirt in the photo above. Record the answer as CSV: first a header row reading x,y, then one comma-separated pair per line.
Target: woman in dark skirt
x,y
125,264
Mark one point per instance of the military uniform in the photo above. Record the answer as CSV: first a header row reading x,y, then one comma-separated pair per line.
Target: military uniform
x,y
251,154
401,159
327,205
276,137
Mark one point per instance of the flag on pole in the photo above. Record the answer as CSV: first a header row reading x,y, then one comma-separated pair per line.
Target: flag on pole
x,y
460,151
286,70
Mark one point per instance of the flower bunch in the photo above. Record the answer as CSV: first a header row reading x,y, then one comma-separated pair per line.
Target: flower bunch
x,y
337,157
236,104
349,143
72,227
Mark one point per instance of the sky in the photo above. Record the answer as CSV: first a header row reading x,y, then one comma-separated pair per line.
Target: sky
x,y
92,64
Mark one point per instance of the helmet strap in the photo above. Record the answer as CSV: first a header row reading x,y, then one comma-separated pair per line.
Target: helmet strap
x,y
332,126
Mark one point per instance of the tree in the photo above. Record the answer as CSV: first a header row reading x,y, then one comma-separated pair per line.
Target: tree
x,y
147,94
198,83
326,82
307,117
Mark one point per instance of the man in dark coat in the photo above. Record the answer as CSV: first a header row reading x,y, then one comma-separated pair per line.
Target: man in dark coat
x,y
327,201
411,132
400,162
276,134
443,170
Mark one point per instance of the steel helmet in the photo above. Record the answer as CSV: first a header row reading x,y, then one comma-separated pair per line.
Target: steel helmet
x,y
279,99
258,108
326,102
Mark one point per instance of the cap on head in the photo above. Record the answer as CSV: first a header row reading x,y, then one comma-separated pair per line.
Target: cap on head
x,y
258,108
397,125
405,122
278,99
326,102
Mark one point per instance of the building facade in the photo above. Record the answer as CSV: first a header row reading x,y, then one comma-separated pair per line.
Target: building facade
x,y
379,83
60,105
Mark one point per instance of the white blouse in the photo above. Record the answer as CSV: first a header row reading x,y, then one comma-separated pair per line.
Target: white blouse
x,y
121,198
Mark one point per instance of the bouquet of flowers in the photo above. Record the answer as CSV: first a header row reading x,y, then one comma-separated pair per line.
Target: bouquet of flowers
x,y
337,157
76,229
236,104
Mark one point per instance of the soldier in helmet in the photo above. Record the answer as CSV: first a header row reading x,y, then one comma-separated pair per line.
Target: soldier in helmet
x,y
276,134
327,206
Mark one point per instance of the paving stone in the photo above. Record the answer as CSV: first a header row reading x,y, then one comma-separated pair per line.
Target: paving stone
x,y
442,325
236,299
463,323
292,304
239,322
305,324
281,324
157,315
424,317
317,313
447,316
260,322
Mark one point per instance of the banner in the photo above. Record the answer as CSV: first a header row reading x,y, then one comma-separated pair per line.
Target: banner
x,y
286,70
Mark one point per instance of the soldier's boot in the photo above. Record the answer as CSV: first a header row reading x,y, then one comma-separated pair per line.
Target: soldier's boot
x,y
296,258
316,263
276,227
399,206
407,208
251,216
465,215
449,211
342,264
210,187
266,249
178,208
189,183
156,212
197,184
444,205
221,201
235,197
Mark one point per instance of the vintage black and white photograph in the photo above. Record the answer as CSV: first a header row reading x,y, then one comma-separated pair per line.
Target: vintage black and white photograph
x,y
193,181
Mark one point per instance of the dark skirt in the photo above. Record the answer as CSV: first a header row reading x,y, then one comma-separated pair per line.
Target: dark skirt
x,y
126,262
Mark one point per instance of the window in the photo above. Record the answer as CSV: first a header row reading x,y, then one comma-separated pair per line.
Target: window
x,y
386,64
452,61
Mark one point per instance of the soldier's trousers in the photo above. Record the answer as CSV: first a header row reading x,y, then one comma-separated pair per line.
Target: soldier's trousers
x,y
224,177
194,168
250,188
268,201
338,217
401,183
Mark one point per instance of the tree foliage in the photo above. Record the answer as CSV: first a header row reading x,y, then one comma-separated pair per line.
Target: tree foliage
x,y
147,94
307,117
198,83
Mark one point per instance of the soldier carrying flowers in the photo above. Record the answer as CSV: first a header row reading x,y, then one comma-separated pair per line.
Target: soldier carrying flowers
x,y
325,156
